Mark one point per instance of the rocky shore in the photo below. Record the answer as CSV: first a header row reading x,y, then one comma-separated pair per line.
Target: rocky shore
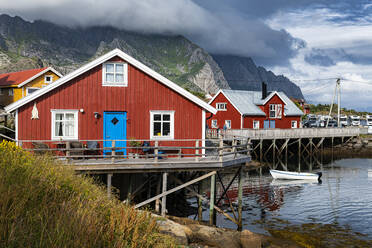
x,y
190,233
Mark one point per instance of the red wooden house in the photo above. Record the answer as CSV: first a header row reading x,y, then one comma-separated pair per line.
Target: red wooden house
x,y
114,97
239,109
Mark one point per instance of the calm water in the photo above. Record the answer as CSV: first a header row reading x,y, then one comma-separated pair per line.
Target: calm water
x,y
343,198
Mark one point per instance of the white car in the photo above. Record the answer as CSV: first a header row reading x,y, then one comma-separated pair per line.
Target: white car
x,y
354,120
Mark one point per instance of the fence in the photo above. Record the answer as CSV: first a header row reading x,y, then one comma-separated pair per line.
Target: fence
x,y
149,150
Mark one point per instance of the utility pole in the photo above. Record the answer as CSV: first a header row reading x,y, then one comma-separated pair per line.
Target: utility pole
x,y
338,84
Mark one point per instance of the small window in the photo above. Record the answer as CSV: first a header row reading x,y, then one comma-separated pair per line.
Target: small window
x,y
256,124
294,124
31,90
162,125
48,79
275,111
115,74
221,106
214,124
228,124
64,124
11,92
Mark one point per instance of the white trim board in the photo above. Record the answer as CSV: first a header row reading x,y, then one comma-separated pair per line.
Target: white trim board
x,y
219,92
100,60
39,74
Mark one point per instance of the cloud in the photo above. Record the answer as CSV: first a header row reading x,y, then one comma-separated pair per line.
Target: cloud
x,y
221,31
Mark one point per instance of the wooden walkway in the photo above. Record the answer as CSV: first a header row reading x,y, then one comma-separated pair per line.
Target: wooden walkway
x,y
299,133
142,165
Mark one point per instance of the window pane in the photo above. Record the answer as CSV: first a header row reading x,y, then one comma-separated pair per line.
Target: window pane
x,y
119,68
110,68
166,129
109,77
69,128
157,129
69,116
59,116
166,117
119,78
157,117
59,128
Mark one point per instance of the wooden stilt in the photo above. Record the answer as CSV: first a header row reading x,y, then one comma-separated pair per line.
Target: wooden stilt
x,y
311,154
164,198
286,153
200,202
299,154
274,164
240,200
109,183
130,186
157,201
261,157
212,200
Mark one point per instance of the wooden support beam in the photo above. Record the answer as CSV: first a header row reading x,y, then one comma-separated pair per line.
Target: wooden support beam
x,y
130,186
286,153
212,200
200,202
109,184
174,189
220,151
113,151
157,201
205,199
224,193
274,148
240,200
156,151
299,154
164,198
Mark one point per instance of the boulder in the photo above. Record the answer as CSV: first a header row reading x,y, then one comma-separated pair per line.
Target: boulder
x,y
215,237
179,232
249,239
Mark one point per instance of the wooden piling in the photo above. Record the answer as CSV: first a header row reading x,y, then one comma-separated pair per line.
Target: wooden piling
x,y
130,186
200,202
273,145
164,198
299,154
212,200
109,183
157,201
113,151
240,200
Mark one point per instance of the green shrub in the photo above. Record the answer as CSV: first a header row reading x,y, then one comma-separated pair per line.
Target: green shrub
x,y
45,204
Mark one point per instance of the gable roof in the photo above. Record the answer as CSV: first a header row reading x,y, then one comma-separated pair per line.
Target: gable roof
x,y
246,102
21,78
100,60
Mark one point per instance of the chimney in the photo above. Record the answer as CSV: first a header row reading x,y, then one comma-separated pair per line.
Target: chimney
x,y
264,90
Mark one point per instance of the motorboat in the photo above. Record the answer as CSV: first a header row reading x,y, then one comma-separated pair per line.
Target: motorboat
x,y
290,175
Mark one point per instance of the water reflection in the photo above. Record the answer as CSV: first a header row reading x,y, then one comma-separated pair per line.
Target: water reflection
x,y
344,198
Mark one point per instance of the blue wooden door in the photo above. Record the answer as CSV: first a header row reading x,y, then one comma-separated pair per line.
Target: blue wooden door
x,y
266,124
115,128
272,123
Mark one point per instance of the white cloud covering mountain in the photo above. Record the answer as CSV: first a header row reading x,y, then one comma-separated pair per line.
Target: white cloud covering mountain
x,y
301,39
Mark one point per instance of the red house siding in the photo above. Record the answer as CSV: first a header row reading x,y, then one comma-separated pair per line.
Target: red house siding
x,y
230,114
233,115
86,92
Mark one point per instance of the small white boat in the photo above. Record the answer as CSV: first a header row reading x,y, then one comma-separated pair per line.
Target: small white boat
x,y
277,174
279,182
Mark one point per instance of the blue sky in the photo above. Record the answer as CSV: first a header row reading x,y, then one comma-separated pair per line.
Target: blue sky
x,y
307,41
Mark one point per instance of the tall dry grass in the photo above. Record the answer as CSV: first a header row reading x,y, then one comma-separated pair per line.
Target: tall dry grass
x,y
44,204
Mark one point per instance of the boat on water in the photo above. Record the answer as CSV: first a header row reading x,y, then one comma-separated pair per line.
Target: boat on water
x,y
290,175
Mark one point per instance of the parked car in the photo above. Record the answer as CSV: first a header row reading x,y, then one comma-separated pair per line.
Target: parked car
x,y
332,123
311,122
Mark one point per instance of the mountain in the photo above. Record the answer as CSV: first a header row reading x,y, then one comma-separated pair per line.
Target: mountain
x,y
26,45
242,74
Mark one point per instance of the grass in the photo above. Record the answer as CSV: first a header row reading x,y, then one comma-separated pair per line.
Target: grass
x,y
45,204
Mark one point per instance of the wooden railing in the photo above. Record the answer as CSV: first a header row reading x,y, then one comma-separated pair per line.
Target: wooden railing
x,y
155,151
286,133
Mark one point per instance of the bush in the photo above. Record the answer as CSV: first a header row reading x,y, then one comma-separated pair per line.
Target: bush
x,y
45,204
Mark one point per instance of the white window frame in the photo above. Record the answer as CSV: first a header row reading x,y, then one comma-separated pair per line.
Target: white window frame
x,y
154,112
76,123
214,125
11,92
228,126
48,76
221,106
277,109
114,84
258,124
294,122
33,88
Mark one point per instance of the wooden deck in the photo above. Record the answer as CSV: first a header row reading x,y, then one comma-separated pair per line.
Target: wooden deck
x,y
103,166
299,133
